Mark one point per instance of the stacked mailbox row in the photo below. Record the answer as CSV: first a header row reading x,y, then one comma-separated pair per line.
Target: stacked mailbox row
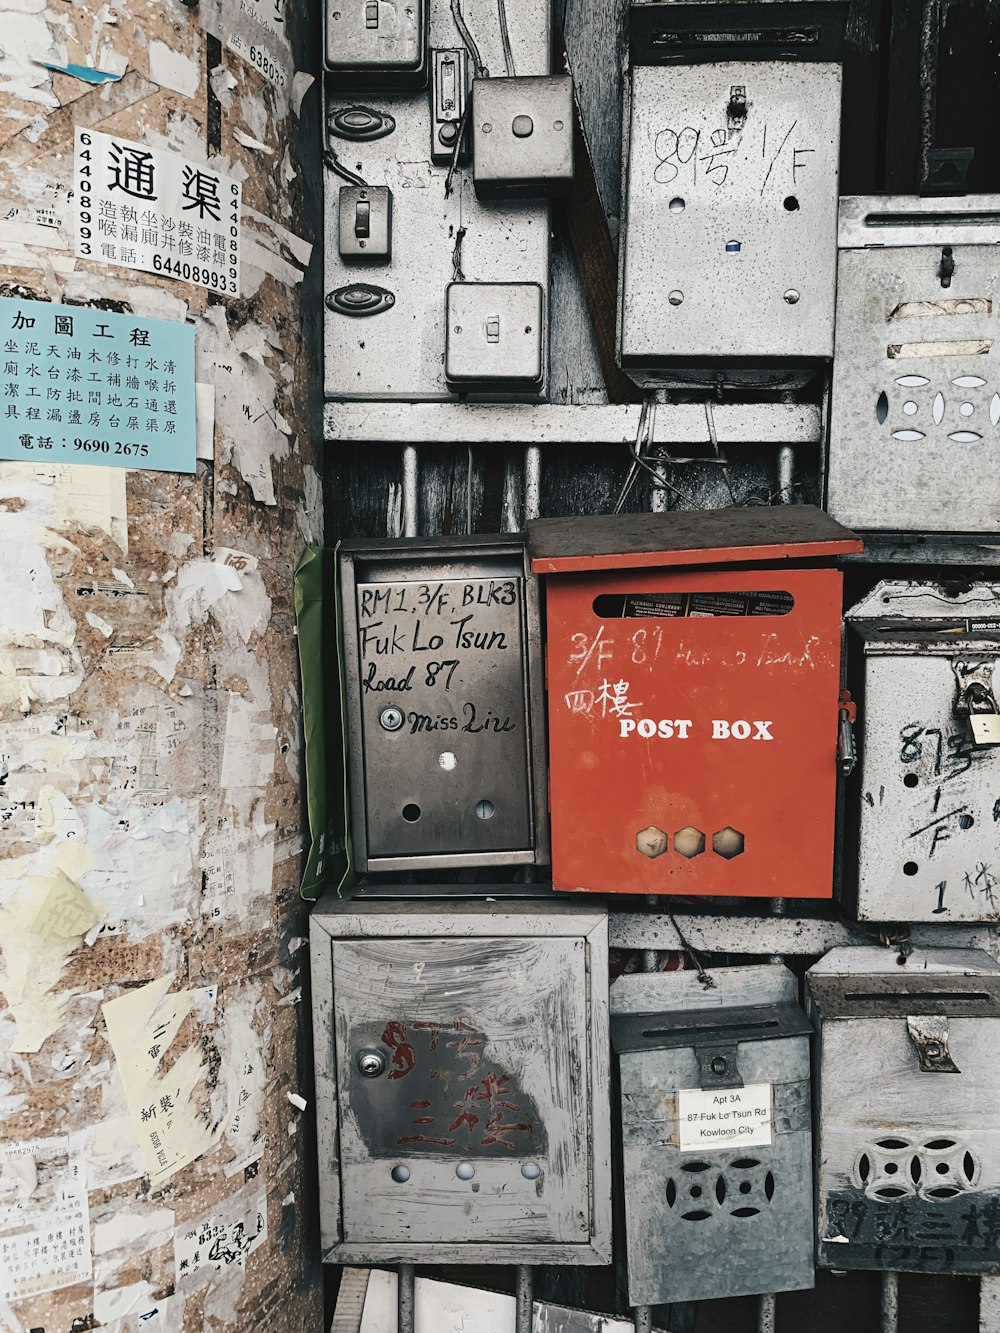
x,y
701,722
735,273
467,1105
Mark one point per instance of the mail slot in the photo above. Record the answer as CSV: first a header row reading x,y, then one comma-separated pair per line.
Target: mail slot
x,y
461,1082
445,722
727,260
915,406
716,1133
925,669
908,1175
694,699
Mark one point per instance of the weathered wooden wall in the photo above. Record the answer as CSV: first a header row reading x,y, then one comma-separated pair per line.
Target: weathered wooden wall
x,y
149,729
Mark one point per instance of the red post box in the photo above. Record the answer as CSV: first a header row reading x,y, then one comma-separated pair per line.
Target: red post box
x,y
694,699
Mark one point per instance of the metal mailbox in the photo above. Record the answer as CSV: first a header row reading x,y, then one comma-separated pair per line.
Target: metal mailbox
x,y
694,710
727,259
445,722
716,1134
461,1082
908,1161
925,669
915,409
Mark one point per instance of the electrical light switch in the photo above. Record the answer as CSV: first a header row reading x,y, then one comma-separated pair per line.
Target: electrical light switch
x,y
365,224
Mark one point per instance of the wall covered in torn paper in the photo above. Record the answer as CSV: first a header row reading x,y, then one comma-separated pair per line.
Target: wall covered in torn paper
x,y
151,1155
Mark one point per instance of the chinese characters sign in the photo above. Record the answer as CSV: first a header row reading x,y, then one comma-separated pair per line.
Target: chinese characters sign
x,y
86,386
44,1219
146,208
255,30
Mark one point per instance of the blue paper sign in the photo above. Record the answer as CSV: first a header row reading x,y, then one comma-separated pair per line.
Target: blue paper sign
x,y
79,385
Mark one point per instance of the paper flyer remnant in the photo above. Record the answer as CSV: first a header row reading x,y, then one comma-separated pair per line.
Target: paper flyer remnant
x,y
255,30
150,209
142,1024
79,385
44,1218
215,1242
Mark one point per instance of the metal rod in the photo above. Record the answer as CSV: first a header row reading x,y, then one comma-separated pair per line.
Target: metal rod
x,y
532,482
409,490
786,474
525,1281
890,1303
930,20
643,1319
406,1303
767,1313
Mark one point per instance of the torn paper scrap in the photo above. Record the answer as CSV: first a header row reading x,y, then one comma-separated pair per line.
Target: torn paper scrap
x,y
142,1025
221,1238
44,1218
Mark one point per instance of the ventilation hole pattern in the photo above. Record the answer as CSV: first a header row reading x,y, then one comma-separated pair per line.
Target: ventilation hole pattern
x,y
911,407
896,1168
742,1189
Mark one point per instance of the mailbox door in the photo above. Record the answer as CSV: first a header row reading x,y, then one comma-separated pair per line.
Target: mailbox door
x,y
440,669
654,787
477,1129
909,1161
729,236
927,795
915,403
708,1222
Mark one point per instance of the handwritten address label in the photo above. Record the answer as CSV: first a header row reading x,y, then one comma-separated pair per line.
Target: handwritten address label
x,y
438,652
79,385
724,1117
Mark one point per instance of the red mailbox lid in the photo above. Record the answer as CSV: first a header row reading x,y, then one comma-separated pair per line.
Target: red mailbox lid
x,y
686,537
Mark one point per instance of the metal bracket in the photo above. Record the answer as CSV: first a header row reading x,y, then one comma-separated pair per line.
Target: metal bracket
x,y
929,1034
718,1065
847,750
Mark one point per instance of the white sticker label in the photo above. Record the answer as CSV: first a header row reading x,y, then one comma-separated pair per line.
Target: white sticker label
x,y
147,208
724,1117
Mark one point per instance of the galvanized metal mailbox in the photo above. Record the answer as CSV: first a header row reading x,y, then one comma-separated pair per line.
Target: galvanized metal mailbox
x,y
462,1082
915,411
908,1161
727,259
924,663
716,1133
694,711
445,722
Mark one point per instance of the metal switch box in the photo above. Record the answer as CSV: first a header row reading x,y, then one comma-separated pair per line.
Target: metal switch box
x,y
716,1134
461,1082
694,712
449,93
727,259
915,409
445,724
522,136
495,335
377,43
924,667
908,1152
366,223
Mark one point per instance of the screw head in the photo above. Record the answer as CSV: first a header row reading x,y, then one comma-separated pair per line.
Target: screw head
x,y
791,296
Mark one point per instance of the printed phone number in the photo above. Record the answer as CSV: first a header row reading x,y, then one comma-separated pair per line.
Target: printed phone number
x,y
207,277
117,447
269,68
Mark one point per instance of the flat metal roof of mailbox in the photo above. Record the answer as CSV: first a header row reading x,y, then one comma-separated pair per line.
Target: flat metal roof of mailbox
x,y
687,537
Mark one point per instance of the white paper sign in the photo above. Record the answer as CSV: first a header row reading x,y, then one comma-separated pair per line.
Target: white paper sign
x,y
724,1117
213,1242
145,208
44,1218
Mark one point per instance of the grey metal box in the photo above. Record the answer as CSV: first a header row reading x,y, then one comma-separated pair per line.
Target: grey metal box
x,y
716,1132
365,223
522,136
379,43
462,1082
925,672
915,409
445,720
495,334
908,1154
727,259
